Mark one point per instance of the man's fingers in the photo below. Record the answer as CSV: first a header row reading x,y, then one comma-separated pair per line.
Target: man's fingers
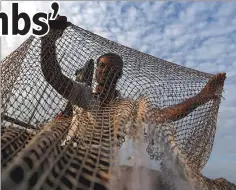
x,y
220,77
59,23
62,18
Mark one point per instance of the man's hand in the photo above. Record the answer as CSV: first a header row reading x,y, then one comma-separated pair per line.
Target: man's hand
x,y
57,28
181,110
59,23
210,89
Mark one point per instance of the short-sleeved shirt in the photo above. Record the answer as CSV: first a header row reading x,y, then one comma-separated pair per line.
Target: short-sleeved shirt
x,y
81,95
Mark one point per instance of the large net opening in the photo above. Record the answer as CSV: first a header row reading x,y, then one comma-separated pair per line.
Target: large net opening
x,y
78,150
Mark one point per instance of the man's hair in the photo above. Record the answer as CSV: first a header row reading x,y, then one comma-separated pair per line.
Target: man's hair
x,y
117,60
113,56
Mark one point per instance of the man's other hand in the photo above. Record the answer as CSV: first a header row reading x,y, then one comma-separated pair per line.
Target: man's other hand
x,y
210,89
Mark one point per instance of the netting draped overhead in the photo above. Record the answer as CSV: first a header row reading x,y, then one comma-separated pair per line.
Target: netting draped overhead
x,y
29,101
27,97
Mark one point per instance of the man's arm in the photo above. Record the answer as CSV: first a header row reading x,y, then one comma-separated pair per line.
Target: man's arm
x,y
181,110
49,65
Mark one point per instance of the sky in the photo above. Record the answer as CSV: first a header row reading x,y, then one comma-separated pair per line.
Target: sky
x,y
199,35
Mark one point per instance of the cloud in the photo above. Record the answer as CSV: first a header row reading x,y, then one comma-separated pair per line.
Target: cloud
x,y
200,35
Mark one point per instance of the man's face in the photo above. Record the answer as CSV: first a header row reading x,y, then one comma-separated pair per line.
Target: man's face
x,y
105,63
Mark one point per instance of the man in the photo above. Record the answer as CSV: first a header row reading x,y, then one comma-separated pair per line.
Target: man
x,y
98,117
108,71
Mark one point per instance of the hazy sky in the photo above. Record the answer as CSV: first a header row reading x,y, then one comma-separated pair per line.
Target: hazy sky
x,y
199,35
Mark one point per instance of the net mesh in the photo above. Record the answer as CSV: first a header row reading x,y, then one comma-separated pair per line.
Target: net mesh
x,y
80,151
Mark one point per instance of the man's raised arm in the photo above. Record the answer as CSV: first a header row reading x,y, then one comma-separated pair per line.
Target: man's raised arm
x,y
181,110
49,65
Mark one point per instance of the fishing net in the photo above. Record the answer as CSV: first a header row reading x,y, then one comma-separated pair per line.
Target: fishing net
x,y
79,150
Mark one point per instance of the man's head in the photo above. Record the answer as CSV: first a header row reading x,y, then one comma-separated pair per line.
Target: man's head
x,y
109,65
108,71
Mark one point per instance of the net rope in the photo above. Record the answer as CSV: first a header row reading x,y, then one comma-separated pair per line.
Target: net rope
x,y
79,150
